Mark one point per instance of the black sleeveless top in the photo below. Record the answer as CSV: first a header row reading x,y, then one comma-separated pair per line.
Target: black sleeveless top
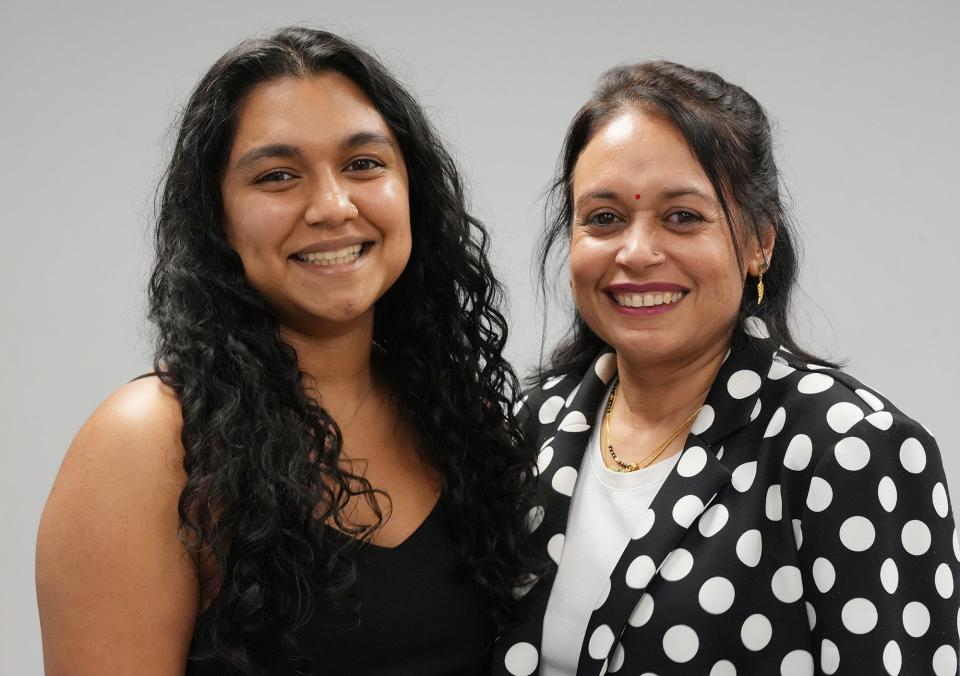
x,y
417,615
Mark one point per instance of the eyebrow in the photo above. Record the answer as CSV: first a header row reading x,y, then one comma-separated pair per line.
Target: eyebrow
x,y
361,138
683,192
670,193
596,195
269,150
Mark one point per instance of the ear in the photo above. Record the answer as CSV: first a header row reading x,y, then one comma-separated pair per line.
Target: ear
x,y
762,251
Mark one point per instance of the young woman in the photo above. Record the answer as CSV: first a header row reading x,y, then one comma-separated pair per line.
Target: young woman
x,y
715,500
318,475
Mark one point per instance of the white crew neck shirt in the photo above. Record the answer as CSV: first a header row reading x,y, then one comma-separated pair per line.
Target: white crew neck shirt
x,y
604,512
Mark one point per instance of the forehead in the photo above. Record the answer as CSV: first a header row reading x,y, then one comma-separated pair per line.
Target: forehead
x,y
640,146
322,108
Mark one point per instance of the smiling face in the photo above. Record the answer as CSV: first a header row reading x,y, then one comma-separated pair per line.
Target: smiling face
x,y
652,262
315,199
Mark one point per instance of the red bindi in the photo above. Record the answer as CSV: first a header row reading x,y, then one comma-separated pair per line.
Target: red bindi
x,y
637,196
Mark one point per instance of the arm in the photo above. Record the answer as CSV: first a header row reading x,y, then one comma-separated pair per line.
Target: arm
x,y
880,562
116,591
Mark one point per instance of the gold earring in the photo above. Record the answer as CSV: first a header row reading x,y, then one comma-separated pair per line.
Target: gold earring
x,y
763,268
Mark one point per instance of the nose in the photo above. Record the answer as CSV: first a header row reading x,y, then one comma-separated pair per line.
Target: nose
x,y
329,202
640,246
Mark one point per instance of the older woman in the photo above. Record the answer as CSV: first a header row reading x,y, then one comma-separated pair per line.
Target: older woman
x,y
318,477
715,500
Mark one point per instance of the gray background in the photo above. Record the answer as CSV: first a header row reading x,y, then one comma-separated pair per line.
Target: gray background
x,y
865,95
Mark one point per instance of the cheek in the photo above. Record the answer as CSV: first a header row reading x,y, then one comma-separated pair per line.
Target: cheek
x,y
721,277
587,259
256,226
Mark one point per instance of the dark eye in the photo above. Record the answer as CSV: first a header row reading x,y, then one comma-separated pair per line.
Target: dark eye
x,y
683,217
602,218
363,164
275,176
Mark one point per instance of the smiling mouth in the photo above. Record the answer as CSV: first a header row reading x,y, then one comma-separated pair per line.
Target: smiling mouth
x,y
647,299
325,258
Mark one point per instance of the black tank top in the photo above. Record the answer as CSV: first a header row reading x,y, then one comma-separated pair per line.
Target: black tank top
x,y
418,616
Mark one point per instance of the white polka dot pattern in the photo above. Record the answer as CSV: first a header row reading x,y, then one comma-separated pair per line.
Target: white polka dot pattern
x,y
916,619
943,580
750,547
824,574
844,415
521,659
887,493
564,480
852,453
600,642
797,663
742,384
691,462
723,668
912,456
716,595
820,495
829,656
892,659
777,421
798,454
681,643
805,528
756,632
940,503
549,410
815,383
687,509
677,565
574,421
744,475
642,613
704,420
787,584
945,661
713,520
889,576
859,616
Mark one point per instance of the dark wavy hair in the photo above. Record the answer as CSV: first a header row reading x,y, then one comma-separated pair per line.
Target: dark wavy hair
x,y
728,132
262,457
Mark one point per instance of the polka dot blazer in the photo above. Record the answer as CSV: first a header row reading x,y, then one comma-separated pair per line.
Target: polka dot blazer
x,y
806,529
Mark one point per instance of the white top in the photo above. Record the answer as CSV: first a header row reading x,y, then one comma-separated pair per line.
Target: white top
x,y
604,511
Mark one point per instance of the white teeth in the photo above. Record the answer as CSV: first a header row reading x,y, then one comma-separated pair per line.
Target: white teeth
x,y
339,257
648,299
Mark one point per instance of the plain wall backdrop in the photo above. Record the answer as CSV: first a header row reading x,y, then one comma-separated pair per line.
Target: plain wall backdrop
x,y
864,95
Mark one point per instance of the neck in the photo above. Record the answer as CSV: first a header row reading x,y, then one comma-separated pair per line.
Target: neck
x,y
337,366
657,393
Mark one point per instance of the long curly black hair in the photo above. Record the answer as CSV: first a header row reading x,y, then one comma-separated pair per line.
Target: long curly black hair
x,y
730,135
262,457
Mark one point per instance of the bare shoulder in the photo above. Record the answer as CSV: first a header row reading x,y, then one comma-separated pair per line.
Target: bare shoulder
x,y
116,591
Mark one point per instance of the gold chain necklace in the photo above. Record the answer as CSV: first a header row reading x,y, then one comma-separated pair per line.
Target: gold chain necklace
x,y
647,461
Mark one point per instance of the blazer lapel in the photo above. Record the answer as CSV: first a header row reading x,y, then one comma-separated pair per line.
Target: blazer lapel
x,y
568,417
656,547
691,486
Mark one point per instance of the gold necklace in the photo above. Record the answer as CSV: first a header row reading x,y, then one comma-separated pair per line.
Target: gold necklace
x,y
649,459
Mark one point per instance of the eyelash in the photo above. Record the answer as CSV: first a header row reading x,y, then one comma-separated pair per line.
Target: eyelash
x,y
374,164
593,218
273,176
692,217
687,217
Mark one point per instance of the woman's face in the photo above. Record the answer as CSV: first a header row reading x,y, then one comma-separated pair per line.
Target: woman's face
x,y
315,198
653,267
